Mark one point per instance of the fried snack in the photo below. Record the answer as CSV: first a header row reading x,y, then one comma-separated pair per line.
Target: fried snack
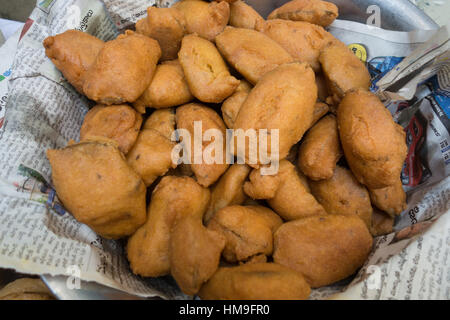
x,y
287,192
167,89
381,224
374,145
243,16
302,40
323,249
73,52
255,281
320,109
206,174
151,155
283,99
26,289
203,18
348,73
322,89
313,11
342,194
251,53
228,190
320,149
248,230
122,70
194,254
165,25
391,199
120,123
174,198
206,73
96,185
232,105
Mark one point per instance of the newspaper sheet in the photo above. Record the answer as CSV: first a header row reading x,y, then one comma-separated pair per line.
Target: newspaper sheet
x,y
38,236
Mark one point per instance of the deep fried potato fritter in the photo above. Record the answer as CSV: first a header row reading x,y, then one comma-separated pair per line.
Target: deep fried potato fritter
x,y
243,16
248,230
73,52
374,145
287,192
194,254
391,199
232,105
173,198
251,53
302,40
96,185
205,173
122,70
120,123
313,11
206,73
324,249
167,89
203,18
255,281
381,224
165,25
343,194
320,149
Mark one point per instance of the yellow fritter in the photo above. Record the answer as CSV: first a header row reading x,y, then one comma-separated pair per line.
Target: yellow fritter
x,y
323,249
122,70
255,281
250,52
243,16
96,185
232,105
120,123
205,70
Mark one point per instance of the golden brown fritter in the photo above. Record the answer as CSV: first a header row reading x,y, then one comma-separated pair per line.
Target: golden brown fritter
x,y
283,99
302,40
26,289
165,25
232,105
206,72
320,149
343,194
243,16
324,249
205,173
122,70
391,199
320,109
251,53
381,224
228,190
205,19
194,254
313,11
287,192
174,198
343,70
120,123
73,52
167,89
248,230
322,89
96,185
374,145
151,155
255,281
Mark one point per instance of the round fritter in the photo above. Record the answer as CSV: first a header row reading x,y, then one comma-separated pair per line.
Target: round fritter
x,y
96,185
120,123
174,198
122,70
374,145
343,194
73,52
250,52
255,281
325,249
320,149
314,11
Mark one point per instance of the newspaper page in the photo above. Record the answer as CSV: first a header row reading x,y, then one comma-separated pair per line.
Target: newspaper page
x,y
38,236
